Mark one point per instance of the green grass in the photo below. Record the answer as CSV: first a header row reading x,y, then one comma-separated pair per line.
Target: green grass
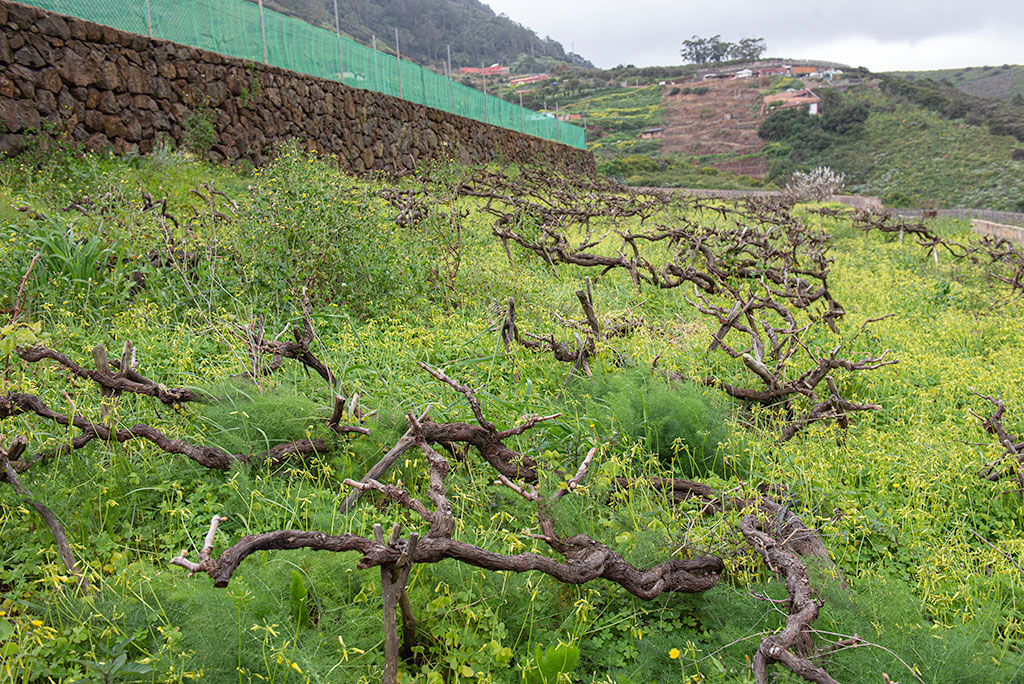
x,y
673,172
930,161
1000,82
616,117
896,498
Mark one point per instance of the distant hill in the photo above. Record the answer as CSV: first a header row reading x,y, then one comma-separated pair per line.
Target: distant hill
x,y
476,34
1004,82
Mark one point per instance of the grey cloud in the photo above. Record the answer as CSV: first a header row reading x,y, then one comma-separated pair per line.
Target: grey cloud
x,y
647,32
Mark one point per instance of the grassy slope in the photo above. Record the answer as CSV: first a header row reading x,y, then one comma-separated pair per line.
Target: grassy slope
x,y
930,160
896,499
616,117
1001,82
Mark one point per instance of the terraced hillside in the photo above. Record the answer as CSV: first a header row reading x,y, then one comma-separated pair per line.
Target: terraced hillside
x,y
722,120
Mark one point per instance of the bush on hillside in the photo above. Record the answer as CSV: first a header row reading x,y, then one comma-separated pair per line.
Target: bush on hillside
x,y
818,184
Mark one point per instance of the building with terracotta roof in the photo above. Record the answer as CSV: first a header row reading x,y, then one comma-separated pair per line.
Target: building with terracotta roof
x,y
790,99
532,78
493,70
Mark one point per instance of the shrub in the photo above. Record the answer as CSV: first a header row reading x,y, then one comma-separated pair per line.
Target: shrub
x,y
818,184
241,420
678,421
199,132
309,224
897,199
845,118
784,123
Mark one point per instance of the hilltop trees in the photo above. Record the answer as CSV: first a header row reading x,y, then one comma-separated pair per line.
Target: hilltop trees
x,y
704,50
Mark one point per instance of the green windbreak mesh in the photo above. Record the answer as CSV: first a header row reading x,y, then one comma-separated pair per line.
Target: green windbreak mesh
x,y
232,27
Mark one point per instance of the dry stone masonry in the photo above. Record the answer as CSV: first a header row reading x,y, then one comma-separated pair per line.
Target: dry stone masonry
x,y
108,89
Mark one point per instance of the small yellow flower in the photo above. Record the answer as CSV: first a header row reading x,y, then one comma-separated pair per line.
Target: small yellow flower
x,y
673,654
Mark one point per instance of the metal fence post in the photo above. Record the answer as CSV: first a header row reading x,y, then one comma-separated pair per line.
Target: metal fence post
x,y
398,56
376,67
263,33
522,115
337,31
149,20
485,93
451,85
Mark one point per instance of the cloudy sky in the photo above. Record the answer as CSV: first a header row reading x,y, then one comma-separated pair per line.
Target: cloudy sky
x,y
879,34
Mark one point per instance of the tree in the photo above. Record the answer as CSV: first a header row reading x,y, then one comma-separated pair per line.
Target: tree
x,y
703,50
748,49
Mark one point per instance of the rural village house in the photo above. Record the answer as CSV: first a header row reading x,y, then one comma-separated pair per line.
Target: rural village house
x,y
790,99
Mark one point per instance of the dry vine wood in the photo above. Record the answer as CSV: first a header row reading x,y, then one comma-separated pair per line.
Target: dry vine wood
x,y
587,333
783,540
796,535
16,403
10,475
764,243
407,441
585,559
279,350
1011,463
393,580
771,339
559,199
792,646
577,354
1006,260
485,437
125,379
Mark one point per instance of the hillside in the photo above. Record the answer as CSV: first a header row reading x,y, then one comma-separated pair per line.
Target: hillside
x,y
476,34
1004,82
911,157
589,473
713,118
916,142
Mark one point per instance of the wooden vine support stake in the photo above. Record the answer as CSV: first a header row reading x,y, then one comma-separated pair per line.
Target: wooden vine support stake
x,y
204,553
99,356
393,578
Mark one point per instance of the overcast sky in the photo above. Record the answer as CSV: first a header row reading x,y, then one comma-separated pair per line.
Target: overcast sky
x,y
882,35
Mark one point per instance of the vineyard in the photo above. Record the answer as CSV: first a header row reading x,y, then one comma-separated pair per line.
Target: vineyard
x,y
497,424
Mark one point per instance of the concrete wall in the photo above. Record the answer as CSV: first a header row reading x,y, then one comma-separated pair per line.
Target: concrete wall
x,y
1013,218
998,230
109,89
855,201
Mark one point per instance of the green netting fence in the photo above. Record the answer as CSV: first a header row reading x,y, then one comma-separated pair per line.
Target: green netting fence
x,y
233,27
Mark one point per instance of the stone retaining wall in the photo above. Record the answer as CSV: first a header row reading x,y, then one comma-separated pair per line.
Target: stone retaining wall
x,y
109,89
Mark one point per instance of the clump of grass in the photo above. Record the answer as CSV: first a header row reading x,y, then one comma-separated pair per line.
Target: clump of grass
x,y
242,420
679,422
